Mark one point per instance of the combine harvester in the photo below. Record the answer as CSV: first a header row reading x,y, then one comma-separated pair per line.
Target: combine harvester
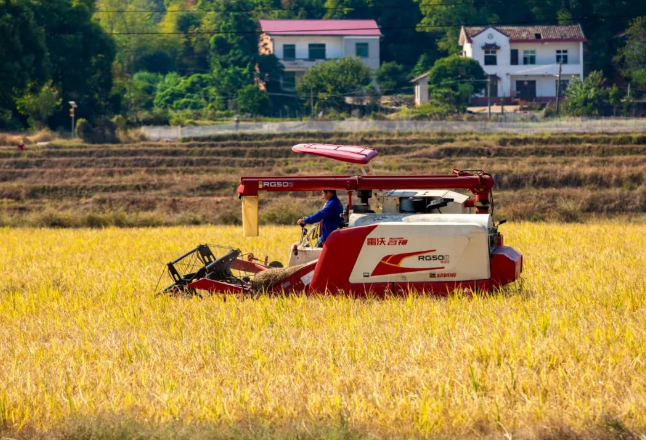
x,y
399,234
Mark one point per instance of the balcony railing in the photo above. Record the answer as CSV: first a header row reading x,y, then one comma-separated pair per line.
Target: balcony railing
x,y
303,59
300,63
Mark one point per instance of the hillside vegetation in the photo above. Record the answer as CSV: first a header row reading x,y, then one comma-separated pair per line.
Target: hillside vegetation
x,y
565,177
89,353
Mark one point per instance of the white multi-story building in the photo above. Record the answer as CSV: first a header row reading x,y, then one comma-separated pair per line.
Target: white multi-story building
x,y
522,61
301,44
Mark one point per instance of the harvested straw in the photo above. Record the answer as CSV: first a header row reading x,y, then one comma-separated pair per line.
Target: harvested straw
x,y
267,279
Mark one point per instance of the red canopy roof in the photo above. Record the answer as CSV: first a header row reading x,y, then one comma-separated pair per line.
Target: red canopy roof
x,y
343,153
320,27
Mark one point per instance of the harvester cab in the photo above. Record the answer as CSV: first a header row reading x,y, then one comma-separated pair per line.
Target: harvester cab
x,y
399,233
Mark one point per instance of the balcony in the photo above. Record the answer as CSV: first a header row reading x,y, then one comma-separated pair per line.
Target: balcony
x,y
300,63
533,69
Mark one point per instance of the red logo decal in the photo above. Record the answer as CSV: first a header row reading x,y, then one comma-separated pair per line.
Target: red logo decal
x,y
391,264
391,241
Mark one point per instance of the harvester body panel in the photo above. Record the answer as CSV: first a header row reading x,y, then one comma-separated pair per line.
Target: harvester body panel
x,y
421,252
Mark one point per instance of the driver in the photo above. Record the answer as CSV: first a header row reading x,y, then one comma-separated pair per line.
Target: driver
x,y
330,216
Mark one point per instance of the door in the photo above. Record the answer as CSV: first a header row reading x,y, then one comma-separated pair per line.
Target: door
x,y
494,88
526,90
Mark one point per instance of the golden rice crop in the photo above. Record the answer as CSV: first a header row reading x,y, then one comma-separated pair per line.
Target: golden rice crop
x,y
83,340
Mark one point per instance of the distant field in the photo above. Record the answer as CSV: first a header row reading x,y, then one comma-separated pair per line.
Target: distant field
x,y
88,352
563,177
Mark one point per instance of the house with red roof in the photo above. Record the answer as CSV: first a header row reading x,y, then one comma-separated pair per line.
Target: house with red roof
x,y
302,44
522,62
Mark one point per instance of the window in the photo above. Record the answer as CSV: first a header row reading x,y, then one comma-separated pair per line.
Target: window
x,y
289,80
491,58
564,85
317,51
514,57
289,51
529,57
561,56
361,50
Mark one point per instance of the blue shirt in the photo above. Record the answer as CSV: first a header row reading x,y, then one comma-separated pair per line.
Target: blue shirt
x,y
330,217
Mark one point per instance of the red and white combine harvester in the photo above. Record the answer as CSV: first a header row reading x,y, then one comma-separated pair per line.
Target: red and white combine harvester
x,y
399,234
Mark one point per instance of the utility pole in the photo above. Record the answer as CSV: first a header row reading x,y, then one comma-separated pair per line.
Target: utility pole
x,y
311,103
558,87
73,106
489,96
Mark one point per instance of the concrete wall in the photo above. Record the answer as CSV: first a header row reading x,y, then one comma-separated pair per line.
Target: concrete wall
x,y
576,125
372,61
421,91
334,47
545,86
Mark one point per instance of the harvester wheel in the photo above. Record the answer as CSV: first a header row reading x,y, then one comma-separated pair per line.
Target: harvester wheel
x,y
276,264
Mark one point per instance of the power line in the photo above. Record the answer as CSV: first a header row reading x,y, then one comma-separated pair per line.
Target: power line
x,y
417,27
267,8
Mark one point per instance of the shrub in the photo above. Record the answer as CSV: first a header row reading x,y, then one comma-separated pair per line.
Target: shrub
x,y
232,217
284,212
40,106
102,131
429,110
252,100
587,97
391,77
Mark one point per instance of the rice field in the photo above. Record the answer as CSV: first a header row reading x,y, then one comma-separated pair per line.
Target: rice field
x,y
88,352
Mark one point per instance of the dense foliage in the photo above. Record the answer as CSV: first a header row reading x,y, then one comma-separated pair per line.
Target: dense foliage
x,y
56,41
141,58
330,82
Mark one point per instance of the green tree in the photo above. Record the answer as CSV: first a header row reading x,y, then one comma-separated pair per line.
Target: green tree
x,y
391,77
437,13
39,106
602,21
424,64
137,51
79,53
23,55
463,76
184,40
401,42
194,92
633,55
587,97
332,80
252,100
141,90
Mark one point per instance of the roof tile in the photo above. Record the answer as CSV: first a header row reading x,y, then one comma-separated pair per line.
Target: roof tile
x,y
528,33
320,27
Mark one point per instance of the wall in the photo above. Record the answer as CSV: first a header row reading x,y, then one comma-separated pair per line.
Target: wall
x,y
545,86
546,52
421,91
545,66
334,47
564,125
373,49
